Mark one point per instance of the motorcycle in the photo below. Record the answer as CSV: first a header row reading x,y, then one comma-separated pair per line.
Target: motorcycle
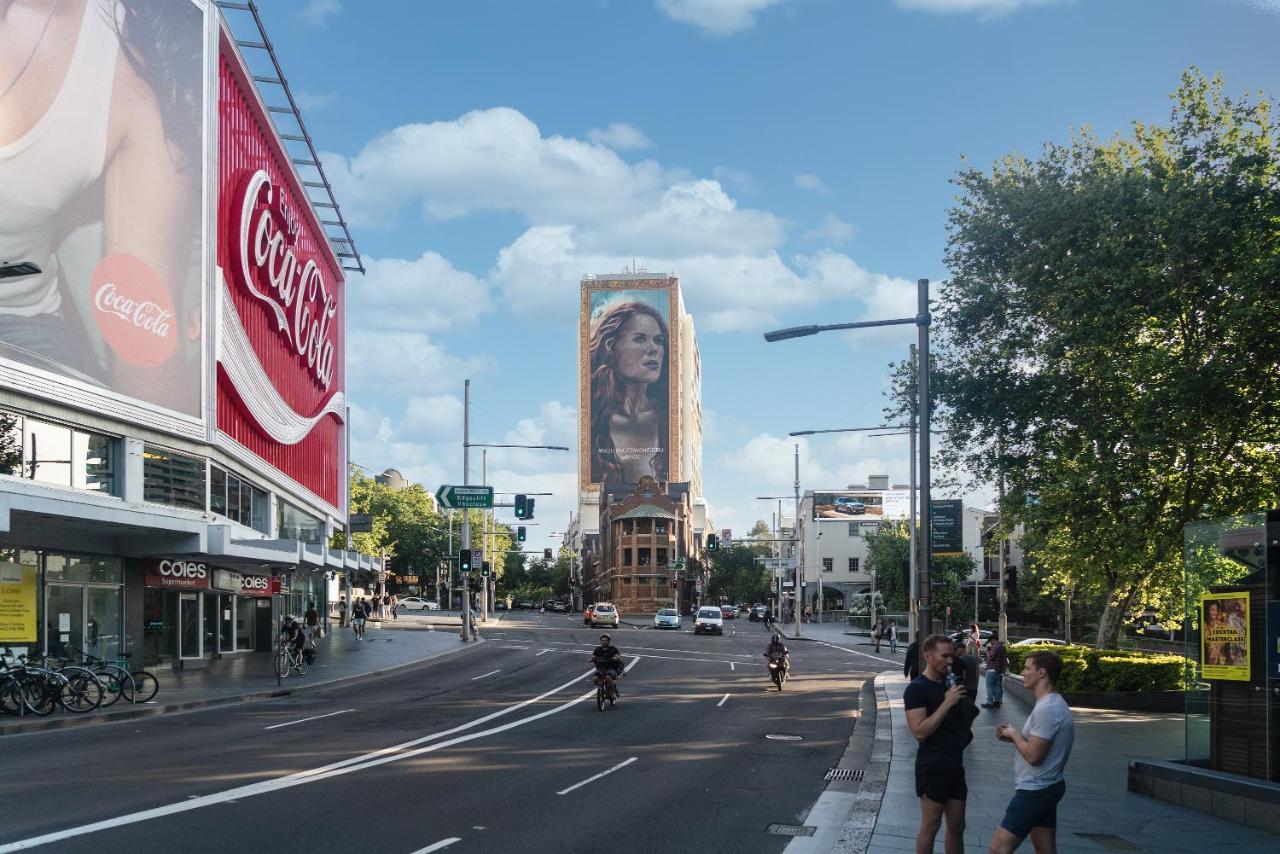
x,y
777,671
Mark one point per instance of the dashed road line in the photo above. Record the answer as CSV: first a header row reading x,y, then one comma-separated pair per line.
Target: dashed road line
x,y
722,701
483,675
622,764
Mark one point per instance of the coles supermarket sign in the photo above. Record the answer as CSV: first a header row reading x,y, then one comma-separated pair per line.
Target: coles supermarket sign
x,y
280,381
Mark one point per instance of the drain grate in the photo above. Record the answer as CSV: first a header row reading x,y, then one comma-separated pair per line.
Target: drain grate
x,y
844,774
1110,841
791,829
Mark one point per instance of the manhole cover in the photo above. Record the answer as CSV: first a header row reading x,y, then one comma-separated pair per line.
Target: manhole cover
x,y
791,829
1110,841
843,774
779,736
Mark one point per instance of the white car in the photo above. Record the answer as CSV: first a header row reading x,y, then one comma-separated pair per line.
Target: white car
x,y
1041,642
667,618
709,620
604,614
417,603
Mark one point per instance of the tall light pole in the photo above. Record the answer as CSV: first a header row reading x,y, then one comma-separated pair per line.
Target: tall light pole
x,y
921,321
800,557
777,539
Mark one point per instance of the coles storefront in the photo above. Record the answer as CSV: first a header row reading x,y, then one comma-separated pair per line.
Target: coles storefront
x,y
193,611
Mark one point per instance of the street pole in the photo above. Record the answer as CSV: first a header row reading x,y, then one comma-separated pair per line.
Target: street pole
x,y
1003,628
817,566
465,542
484,541
799,594
913,620
448,576
926,533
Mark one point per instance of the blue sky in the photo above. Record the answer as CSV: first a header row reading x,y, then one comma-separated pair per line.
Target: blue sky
x,y
788,159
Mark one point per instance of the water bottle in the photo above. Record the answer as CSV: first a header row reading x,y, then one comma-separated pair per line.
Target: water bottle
x,y
950,680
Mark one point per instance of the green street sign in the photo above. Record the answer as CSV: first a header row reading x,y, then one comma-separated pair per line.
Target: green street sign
x,y
465,497
678,564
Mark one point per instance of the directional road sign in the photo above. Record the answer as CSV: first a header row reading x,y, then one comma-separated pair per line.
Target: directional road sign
x,y
678,564
465,497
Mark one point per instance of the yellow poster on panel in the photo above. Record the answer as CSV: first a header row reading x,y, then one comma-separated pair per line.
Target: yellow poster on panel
x,y
1224,639
17,603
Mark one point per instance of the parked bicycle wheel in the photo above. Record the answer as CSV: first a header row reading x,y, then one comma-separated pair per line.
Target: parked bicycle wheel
x,y
80,693
282,663
113,681
141,687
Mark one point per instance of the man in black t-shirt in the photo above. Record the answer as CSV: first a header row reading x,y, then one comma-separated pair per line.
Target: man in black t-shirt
x,y
608,661
934,715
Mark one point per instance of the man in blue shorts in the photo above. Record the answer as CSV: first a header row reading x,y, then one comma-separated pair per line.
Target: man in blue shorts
x,y
936,714
1043,746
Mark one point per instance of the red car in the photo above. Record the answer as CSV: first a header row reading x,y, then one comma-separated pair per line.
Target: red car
x,y
729,612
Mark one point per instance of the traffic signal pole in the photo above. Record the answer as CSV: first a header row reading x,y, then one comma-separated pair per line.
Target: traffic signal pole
x,y
799,592
465,542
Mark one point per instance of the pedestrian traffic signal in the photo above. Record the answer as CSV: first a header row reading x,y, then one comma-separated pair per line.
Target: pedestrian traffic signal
x,y
484,569
520,535
464,560
546,554
528,508
712,543
522,507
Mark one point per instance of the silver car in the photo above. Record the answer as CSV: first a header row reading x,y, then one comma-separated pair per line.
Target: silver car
x,y
667,618
604,615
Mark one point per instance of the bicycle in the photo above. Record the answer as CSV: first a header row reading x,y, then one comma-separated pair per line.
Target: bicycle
x,y
77,690
135,686
287,659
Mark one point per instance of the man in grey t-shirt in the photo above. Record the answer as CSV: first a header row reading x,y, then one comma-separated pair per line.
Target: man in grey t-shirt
x,y
1042,749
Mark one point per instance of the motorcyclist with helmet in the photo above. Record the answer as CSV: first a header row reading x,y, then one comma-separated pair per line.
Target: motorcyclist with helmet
x,y
608,661
778,650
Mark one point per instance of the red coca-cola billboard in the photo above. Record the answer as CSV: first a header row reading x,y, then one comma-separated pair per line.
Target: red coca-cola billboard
x,y
280,378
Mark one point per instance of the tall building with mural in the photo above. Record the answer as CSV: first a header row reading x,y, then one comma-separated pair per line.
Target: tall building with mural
x,y
639,417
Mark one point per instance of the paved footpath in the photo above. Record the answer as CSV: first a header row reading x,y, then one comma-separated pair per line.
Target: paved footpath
x,y
1098,813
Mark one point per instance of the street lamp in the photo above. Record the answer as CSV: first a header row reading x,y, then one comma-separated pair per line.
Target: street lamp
x,y
777,568
921,321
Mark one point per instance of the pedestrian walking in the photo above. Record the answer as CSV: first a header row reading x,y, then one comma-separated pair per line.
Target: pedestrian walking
x,y
936,714
893,638
974,646
312,621
359,612
997,666
342,611
395,601
911,667
876,631
1041,748
386,605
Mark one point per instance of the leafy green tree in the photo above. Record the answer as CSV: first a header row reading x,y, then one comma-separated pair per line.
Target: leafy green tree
x,y
1106,346
737,576
10,444
889,557
761,536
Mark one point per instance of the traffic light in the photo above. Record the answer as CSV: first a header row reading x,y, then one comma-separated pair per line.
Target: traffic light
x,y
675,582
712,543
464,561
520,535
1010,580
528,508
546,554
522,507
484,569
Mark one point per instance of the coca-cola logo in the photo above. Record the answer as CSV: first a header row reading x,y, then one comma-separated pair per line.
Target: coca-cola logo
x,y
133,310
183,569
293,288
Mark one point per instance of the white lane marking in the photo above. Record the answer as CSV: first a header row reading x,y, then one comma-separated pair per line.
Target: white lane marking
x,y
355,763
515,647
722,699
490,673
662,649
865,654
304,720
544,652
731,667
622,764
443,843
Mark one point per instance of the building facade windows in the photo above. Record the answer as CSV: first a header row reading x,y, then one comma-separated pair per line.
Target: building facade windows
x,y
662,557
644,526
626,557
828,564
64,456
643,556
173,479
853,564
239,500
659,527
294,524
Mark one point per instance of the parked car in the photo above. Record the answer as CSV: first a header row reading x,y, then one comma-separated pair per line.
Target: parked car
x,y
728,612
500,605
417,603
1041,642
558,607
667,618
525,605
709,620
962,635
604,614
586,615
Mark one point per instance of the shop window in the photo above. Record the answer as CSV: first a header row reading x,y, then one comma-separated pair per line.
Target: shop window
x,y
52,453
238,500
662,557
853,564
173,479
626,557
828,564
101,570
294,524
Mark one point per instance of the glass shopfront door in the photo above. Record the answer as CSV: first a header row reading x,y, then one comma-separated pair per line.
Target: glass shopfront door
x,y
226,623
189,625
64,614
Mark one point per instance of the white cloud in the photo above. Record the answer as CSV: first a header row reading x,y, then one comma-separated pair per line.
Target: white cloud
x,y
832,230
716,17
426,293
809,181
620,137
318,12
985,8
382,363
736,179
313,100
431,419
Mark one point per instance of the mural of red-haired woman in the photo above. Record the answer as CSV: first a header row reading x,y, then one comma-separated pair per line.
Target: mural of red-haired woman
x,y
629,394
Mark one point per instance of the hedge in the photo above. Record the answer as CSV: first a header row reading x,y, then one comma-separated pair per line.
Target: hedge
x,y
1099,671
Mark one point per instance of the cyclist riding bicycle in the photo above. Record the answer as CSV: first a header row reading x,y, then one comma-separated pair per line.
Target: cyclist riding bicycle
x,y
292,635
608,661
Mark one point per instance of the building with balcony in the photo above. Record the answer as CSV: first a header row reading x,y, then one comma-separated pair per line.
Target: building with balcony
x,y
643,532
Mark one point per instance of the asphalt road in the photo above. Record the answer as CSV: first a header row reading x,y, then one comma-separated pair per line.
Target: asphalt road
x,y
495,748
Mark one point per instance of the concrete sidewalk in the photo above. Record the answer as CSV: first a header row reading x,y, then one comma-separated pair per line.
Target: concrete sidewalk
x,y
388,647
1098,812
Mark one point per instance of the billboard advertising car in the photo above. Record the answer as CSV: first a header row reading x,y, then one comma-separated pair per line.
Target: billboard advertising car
x,y
628,363
1224,639
855,504
102,154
